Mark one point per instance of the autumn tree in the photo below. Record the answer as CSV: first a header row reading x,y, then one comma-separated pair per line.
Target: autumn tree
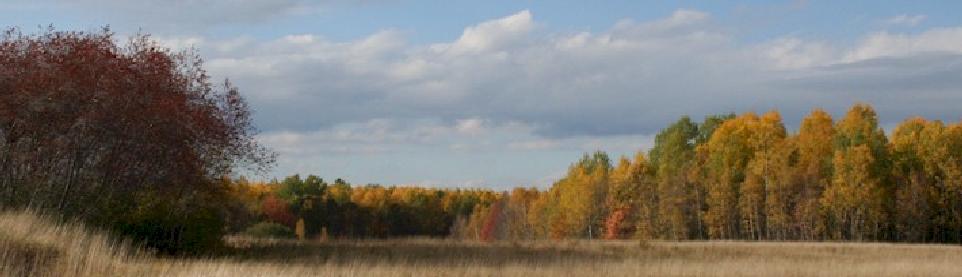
x,y
130,136
858,198
632,199
580,198
671,159
278,211
767,195
517,207
925,159
814,144
728,152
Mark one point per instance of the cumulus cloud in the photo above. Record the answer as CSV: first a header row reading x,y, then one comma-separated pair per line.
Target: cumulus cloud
x,y
794,53
490,35
885,44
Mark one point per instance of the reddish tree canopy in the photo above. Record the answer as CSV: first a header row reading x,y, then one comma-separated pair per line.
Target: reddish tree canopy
x,y
84,120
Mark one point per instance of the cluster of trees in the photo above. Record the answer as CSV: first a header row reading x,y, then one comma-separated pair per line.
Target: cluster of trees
x,y
746,177
131,137
313,208
727,177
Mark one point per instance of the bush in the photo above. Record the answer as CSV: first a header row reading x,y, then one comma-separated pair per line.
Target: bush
x,y
174,228
269,230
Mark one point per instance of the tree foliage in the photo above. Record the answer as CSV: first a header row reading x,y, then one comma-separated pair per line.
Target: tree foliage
x,y
94,130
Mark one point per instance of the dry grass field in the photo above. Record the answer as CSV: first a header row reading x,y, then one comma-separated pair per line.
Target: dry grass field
x,y
32,246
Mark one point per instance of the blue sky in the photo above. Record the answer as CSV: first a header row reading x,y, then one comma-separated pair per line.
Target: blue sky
x,y
505,93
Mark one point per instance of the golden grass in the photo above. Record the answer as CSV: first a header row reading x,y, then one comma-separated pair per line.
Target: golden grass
x,y
32,246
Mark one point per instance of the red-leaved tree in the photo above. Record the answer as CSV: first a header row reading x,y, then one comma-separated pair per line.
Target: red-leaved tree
x,y
277,211
108,132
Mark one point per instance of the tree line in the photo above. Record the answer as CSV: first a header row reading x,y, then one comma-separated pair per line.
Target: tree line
x,y
739,177
313,208
746,177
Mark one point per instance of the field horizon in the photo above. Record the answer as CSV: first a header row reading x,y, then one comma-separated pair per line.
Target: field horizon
x,y
34,245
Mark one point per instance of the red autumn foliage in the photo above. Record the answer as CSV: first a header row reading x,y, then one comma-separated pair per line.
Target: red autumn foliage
x,y
277,211
615,225
84,120
132,137
491,222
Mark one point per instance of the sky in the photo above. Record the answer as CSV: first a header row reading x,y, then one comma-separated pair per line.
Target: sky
x,y
498,94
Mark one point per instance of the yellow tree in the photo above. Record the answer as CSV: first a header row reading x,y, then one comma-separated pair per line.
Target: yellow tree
x,y
728,152
858,198
814,144
742,166
541,213
783,191
580,198
766,189
572,214
735,150
632,200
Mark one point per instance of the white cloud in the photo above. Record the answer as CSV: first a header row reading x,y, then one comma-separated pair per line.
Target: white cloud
x,y
180,43
678,20
906,20
470,126
885,44
298,39
794,53
490,35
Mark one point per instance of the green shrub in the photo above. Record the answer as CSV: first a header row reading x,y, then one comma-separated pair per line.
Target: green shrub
x,y
269,230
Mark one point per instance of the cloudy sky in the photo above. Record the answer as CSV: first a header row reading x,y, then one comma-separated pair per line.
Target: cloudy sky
x,y
505,93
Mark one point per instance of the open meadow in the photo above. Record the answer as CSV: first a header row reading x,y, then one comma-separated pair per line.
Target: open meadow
x,y
33,246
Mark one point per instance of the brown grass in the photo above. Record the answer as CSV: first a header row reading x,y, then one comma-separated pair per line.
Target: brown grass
x,y
32,246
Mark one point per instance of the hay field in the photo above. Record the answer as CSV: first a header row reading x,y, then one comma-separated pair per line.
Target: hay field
x,y
31,245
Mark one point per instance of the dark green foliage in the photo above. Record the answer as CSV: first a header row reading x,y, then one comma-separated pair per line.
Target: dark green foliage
x,y
294,189
674,145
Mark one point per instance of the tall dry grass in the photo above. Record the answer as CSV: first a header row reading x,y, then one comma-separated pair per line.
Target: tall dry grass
x,y
31,245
